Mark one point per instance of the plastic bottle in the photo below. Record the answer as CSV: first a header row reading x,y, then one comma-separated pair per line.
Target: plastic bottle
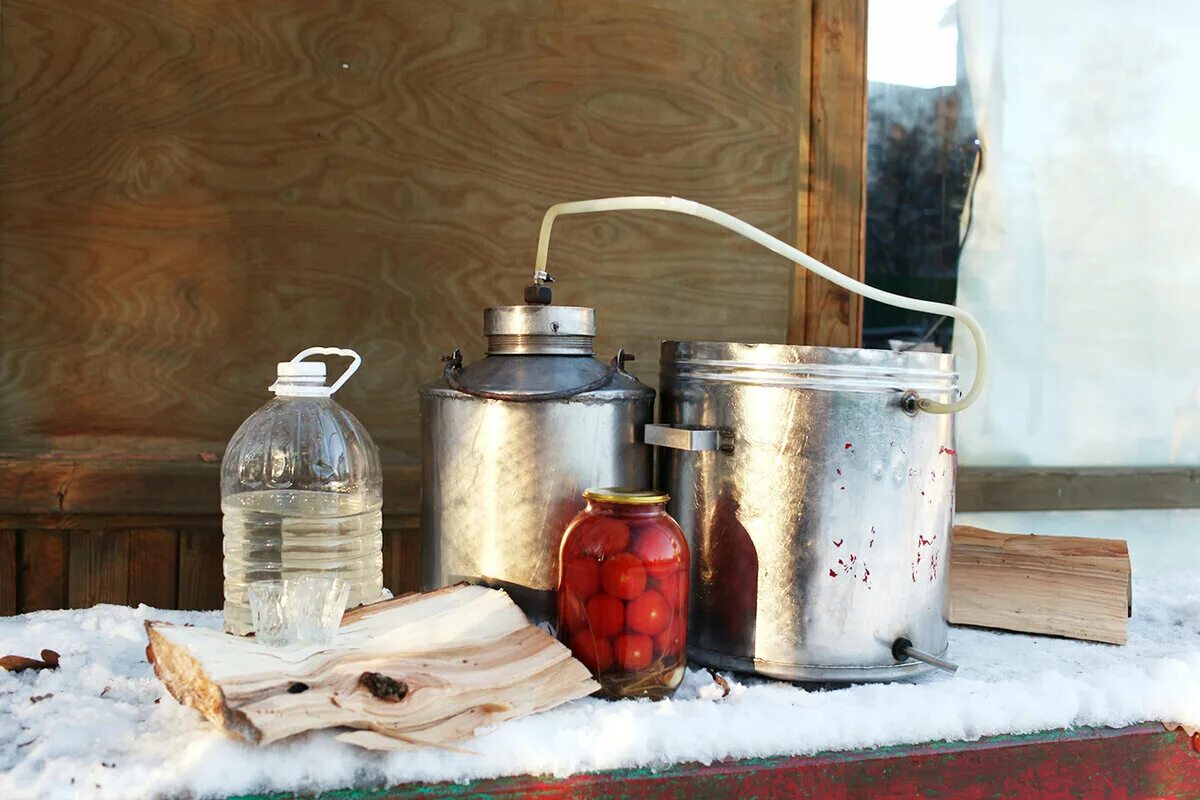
x,y
301,491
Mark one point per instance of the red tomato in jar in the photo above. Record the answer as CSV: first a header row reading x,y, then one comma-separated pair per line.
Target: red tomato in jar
x,y
572,614
623,576
581,577
671,587
649,613
603,537
657,549
596,652
633,651
606,615
669,643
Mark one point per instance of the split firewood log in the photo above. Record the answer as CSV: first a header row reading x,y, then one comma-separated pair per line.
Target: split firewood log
x,y
1061,585
422,669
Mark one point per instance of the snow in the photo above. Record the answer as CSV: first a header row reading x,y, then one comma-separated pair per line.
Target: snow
x,y
106,727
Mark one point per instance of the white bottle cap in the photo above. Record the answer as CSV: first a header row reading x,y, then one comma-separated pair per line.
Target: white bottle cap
x,y
301,369
300,378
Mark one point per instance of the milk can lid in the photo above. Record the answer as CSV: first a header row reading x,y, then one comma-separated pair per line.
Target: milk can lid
x,y
536,320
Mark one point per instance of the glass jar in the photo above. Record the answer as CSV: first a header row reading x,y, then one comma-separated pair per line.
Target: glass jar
x,y
623,592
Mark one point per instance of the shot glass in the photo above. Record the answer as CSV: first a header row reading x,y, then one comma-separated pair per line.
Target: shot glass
x,y
306,609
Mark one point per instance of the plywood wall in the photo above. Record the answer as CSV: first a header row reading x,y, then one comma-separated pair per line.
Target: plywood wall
x,y
192,190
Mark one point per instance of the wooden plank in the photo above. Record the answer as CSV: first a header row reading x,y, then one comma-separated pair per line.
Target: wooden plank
x,y
1077,488
1057,585
378,170
130,493
136,486
98,570
138,493
8,572
801,175
107,486
1140,761
67,522
201,581
402,558
836,211
43,564
154,567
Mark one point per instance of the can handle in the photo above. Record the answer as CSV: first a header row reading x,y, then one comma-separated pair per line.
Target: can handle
x,y
681,438
679,205
333,351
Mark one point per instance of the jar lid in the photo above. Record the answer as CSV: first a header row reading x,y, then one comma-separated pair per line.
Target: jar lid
x,y
626,496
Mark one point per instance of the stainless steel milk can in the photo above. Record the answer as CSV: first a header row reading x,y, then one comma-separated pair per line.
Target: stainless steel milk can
x,y
817,499
509,442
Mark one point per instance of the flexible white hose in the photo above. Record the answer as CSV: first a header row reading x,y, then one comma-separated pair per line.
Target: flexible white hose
x,y
679,205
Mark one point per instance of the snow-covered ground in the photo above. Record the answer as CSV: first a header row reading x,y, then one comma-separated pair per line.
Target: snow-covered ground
x,y
103,726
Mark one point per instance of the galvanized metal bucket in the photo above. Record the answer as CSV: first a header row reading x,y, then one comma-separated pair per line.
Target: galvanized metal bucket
x,y
818,503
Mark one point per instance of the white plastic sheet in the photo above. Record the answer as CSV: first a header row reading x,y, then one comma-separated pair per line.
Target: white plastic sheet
x,y
1083,263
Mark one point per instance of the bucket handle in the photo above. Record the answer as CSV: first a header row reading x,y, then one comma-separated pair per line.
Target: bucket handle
x,y
679,205
333,351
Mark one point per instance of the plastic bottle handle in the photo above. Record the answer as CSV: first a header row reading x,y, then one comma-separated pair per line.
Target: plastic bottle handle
x,y
333,351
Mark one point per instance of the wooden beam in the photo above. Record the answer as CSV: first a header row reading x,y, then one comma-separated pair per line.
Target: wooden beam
x,y
136,493
798,306
1077,488
837,170
1138,761
129,485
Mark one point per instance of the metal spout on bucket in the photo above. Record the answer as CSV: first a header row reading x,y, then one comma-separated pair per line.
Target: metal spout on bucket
x,y
902,650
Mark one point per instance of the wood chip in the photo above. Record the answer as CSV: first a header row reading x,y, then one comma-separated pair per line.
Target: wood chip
x,y
419,670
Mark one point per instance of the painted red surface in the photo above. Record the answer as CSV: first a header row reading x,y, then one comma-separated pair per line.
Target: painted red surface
x,y
1143,761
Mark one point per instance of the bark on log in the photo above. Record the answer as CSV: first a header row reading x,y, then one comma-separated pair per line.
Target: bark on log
x,y
423,669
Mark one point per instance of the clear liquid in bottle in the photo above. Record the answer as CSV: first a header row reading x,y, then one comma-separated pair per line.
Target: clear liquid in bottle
x,y
301,493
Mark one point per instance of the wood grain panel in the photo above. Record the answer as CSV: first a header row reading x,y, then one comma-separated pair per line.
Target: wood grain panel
x,y
193,190
154,567
402,558
8,572
822,313
43,564
201,581
98,570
